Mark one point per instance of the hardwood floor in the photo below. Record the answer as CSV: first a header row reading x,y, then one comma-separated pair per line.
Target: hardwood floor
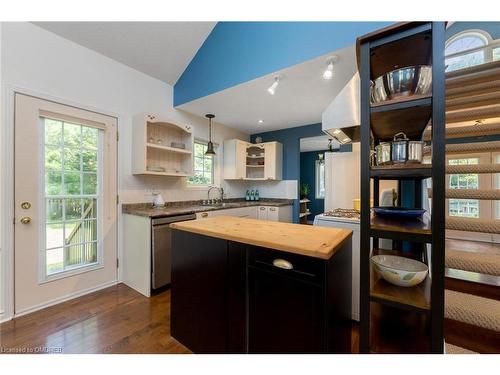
x,y
113,320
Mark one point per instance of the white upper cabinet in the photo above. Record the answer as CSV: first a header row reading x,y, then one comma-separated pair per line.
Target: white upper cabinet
x,y
273,162
234,159
248,161
161,147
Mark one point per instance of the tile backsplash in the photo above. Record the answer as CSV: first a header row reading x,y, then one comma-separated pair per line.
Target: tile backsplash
x,y
175,190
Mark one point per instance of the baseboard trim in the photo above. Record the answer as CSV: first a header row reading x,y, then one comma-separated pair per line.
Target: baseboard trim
x,y
65,298
4,318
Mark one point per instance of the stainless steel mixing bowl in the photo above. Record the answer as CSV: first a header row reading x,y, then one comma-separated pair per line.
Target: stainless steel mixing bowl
x,y
413,80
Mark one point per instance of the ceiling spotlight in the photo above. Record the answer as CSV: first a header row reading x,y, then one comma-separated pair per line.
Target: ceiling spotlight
x,y
328,73
272,89
261,121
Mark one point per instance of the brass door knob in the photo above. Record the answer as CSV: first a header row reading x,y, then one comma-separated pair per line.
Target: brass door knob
x,y
25,220
26,205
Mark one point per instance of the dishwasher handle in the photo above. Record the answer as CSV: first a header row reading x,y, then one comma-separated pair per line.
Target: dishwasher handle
x,y
172,219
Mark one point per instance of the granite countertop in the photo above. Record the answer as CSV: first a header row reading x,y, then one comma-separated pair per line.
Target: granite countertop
x,y
308,240
189,207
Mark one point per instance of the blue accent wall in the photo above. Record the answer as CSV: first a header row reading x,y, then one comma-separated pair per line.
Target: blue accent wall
x,y
237,52
290,138
308,176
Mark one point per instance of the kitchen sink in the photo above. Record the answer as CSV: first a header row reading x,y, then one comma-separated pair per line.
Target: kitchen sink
x,y
222,205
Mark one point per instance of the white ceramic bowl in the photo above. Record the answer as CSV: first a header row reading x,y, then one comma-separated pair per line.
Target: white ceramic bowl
x,y
400,271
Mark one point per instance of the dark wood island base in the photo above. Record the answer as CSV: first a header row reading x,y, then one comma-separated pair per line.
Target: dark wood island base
x,y
235,297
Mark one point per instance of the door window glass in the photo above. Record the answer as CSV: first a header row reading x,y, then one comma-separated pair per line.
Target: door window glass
x,y
72,195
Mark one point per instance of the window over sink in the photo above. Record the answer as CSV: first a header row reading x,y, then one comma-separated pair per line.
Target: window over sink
x,y
203,168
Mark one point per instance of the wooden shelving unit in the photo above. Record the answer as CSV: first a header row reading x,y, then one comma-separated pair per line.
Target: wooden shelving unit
x,y
255,162
169,149
304,211
417,297
397,319
153,153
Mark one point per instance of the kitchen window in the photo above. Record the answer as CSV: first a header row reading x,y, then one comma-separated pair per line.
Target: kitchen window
x,y
320,179
203,169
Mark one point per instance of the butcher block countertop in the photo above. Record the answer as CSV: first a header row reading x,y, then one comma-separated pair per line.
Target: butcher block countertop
x,y
317,242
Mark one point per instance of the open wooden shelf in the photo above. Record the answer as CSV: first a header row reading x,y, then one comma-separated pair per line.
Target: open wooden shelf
x,y
401,171
401,103
394,118
168,148
255,166
393,330
388,54
255,156
416,298
418,230
166,173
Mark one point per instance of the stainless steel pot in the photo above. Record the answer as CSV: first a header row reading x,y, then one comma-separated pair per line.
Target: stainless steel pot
x,y
383,151
415,151
399,148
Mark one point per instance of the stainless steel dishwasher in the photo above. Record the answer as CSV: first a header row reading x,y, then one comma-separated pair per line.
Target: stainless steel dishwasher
x,y
161,238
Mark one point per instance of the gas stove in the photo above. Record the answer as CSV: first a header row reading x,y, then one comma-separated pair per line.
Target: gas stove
x,y
347,213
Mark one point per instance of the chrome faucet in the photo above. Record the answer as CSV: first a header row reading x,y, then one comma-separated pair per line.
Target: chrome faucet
x,y
221,192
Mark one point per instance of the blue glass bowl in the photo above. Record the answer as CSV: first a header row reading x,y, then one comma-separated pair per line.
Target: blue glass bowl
x,y
398,212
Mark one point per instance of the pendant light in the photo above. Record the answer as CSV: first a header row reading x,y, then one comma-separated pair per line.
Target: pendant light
x,y
210,146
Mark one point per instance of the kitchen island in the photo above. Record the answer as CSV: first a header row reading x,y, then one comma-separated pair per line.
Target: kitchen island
x,y
250,286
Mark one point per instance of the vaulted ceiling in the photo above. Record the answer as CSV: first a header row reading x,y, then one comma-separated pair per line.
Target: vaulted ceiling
x,y
159,49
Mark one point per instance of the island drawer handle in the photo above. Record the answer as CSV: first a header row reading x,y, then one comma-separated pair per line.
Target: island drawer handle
x,y
282,263
204,214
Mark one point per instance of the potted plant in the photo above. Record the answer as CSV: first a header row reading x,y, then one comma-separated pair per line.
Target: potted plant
x,y
304,190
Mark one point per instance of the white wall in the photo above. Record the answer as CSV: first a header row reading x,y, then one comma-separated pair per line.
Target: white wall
x,y
42,63
2,258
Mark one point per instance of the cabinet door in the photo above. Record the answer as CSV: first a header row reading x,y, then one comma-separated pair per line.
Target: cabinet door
x,y
273,160
262,214
198,314
285,314
273,214
241,160
270,161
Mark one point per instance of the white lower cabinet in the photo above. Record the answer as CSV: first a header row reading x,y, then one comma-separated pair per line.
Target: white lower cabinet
x,y
271,213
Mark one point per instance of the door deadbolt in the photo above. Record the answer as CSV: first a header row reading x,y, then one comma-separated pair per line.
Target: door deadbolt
x,y
25,220
26,205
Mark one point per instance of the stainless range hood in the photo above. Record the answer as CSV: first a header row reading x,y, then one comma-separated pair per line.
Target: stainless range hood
x,y
342,118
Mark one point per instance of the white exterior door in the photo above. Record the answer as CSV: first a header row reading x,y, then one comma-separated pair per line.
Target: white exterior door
x,y
65,202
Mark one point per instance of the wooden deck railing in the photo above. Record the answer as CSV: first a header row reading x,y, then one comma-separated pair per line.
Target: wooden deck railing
x,y
80,246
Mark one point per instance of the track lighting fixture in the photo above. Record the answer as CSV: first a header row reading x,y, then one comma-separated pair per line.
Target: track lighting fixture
x,y
328,73
272,89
